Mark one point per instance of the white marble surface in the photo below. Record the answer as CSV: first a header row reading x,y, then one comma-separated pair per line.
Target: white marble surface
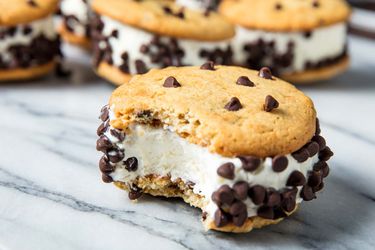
x,y
51,195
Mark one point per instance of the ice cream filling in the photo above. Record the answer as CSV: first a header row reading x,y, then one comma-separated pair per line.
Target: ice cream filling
x,y
162,152
287,52
134,50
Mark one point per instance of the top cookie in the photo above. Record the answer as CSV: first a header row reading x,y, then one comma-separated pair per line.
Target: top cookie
x,y
230,110
164,17
285,15
14,12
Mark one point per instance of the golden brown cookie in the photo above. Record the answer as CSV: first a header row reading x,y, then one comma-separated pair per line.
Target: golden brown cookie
x,y
166,18
30,46
26,74
211,125
314,75
291,15
112,74
73,38
14,12
242,145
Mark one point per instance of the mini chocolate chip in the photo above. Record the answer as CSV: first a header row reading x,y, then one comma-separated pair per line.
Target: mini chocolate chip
x,y
289,200
317,127
204,216
105,166
210,65
257,194
279,163
171,82
315,179
239,219
117,134
114,33
320,140
237,208
180,14
221,219
115,155
325,154
307,34
250,163
226,171
27,30
134,193
140,67
224,195
61,72
301,155
32,3
296,178
265,73
240,190
307,193
319,165
273,198
245,81
312,148
103,143
270,103
265,212
106,178
102,128
104,113
233,105
131,164
316,4
318,188
144,49
325,171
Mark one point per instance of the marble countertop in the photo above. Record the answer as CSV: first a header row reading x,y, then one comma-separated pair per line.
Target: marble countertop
x,y
51,195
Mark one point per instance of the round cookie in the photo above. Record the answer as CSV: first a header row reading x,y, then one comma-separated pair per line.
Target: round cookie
x,y
155,34
29,46
75,25
242,145
307,43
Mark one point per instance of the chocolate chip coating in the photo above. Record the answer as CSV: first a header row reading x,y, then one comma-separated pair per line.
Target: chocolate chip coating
x,y
265,212
307,193
103,143
226,170
296,178
240,190
257,194
273,198
301,155
224,195
250,163
131,164
279,163
221,219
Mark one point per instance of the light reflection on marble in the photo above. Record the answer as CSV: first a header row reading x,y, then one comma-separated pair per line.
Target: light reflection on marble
x,y
51,195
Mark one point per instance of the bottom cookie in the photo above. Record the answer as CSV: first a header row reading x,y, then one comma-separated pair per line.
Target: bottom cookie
x,y
315,75
26,73
163,186
72,38
112,74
